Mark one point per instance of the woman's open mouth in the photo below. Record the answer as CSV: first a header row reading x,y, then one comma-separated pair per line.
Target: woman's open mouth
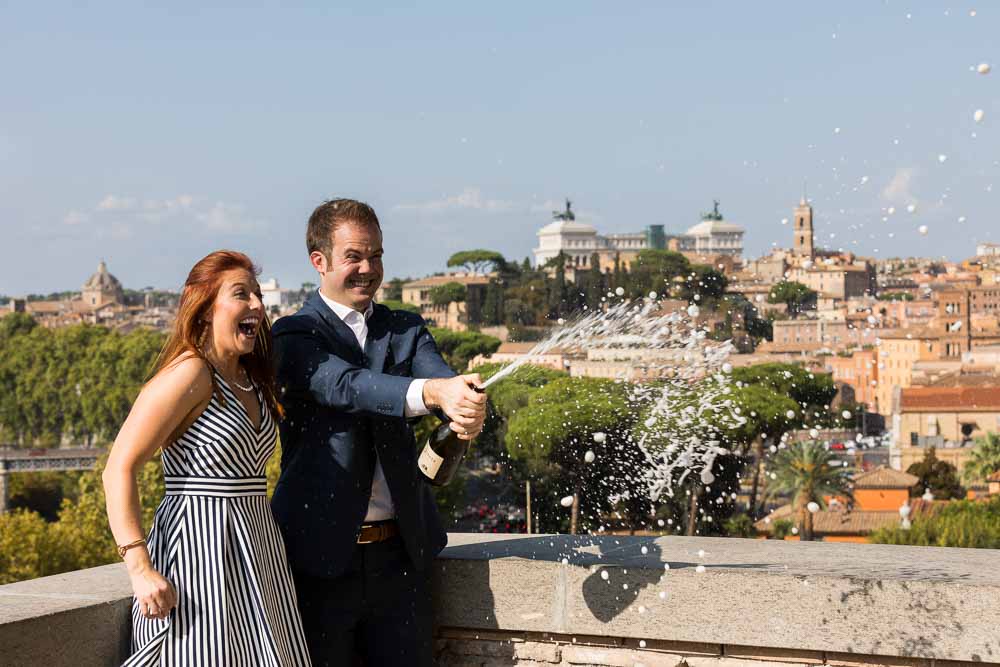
x,y
248,327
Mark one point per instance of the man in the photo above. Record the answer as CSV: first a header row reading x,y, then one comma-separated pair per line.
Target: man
x,y
359,522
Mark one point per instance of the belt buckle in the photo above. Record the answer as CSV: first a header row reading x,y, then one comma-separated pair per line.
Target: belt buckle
x,y
364,541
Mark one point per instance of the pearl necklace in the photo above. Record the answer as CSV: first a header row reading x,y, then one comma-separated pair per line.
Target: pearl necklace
x,y
246,389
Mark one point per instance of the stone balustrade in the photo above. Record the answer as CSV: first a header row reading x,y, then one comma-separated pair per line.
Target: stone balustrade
x,y
622,601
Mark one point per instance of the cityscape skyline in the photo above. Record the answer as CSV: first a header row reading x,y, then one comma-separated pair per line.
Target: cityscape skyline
x,y
148,139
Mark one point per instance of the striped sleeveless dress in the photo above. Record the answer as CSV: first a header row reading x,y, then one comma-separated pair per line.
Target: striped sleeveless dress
x,y
215,539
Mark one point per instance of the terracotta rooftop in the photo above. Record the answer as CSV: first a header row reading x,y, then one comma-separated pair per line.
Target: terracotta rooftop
x,y
885,478
915,333
464,279
940,399
841,521
517,348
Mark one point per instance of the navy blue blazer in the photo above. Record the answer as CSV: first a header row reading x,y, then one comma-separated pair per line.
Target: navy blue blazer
x,y
342,404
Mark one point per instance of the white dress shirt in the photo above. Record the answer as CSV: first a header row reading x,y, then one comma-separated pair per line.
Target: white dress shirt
x,y
380,505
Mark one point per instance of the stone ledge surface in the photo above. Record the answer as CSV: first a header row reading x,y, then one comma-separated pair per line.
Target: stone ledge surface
x,y
868,600
533,596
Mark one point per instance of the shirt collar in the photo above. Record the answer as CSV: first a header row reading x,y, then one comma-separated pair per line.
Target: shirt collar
x,y
342,311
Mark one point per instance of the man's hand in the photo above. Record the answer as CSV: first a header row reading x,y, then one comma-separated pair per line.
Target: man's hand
x,y
456,398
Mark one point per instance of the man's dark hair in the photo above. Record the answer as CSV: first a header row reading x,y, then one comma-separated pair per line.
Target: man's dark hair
x,y
331,214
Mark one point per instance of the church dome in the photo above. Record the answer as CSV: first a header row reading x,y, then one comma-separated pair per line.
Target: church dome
x,y
102,280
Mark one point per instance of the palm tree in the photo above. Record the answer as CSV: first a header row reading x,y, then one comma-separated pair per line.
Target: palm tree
x,y
809,473
984,460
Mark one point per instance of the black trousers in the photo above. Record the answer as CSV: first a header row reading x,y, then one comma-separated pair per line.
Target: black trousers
x,y
378,613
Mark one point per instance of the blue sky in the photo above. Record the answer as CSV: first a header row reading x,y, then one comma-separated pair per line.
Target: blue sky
x,y
151,136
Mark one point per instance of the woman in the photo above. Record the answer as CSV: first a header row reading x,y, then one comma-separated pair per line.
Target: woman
x,y
212,585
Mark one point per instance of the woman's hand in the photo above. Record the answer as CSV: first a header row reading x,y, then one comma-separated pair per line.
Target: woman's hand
x,y
155,594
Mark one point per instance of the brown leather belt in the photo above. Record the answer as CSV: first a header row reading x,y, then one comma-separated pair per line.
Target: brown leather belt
x,y
377,532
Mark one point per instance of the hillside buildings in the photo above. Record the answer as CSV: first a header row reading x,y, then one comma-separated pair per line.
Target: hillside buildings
x,y
454,315
712,237
101,301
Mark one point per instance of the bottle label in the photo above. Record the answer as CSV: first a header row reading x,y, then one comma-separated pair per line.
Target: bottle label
x,y
429,462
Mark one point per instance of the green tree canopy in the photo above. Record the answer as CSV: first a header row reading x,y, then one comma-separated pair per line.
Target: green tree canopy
x,y
394,290
552,433
392,304
794,295
442,295
706,282
459,347
809,473
654,271
810,390
939,476
984,459
76,381
477,261
961,523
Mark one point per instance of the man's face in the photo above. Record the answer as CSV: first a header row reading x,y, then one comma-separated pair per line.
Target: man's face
x,y
353,272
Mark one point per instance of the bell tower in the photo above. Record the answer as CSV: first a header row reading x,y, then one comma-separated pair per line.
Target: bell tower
x,y
804,230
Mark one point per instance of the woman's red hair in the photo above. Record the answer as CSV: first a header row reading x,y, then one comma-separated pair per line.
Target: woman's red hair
x,y
197,299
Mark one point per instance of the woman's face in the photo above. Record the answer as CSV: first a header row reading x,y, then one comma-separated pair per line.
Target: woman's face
x,y
237,313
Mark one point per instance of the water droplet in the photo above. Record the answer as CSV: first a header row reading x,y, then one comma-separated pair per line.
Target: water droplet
x,y
911,208
567,501
846,414
604,575
700,569
984,68
979,115
942,158
620,291
813,507
644,550
693,310
922,229
600,437
589,456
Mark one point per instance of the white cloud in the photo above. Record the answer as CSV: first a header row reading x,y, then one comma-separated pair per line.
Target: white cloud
x,y
120,217
470,198
115,203
898,190
75,218
228,218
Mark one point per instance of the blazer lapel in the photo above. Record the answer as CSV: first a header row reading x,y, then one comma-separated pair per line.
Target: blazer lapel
x,y
341,332
377,342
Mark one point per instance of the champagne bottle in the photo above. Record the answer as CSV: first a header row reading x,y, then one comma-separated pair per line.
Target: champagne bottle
x,y
443,453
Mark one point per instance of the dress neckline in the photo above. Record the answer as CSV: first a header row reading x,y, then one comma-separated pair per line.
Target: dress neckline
x,y
246,412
